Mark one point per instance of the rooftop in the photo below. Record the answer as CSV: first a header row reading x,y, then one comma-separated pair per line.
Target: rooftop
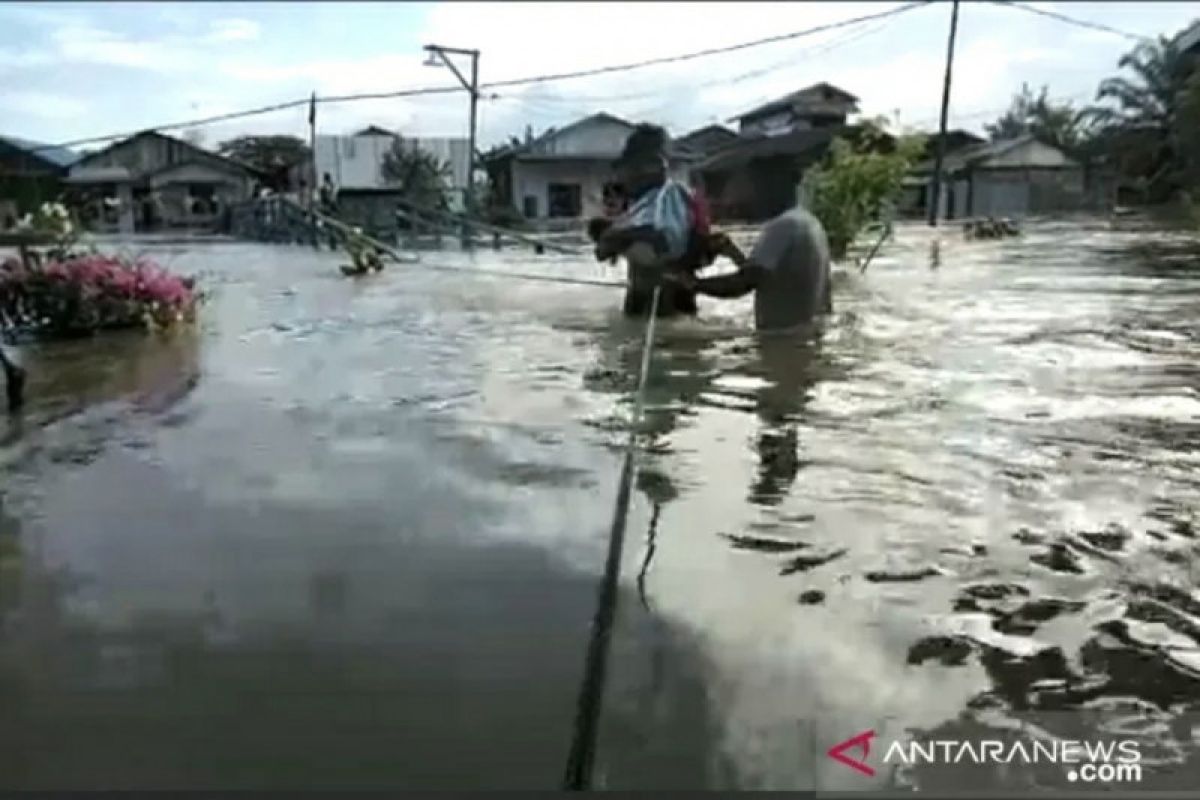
x,y
60,156
819,92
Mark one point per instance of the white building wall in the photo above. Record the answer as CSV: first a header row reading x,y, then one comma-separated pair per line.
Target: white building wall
x,y
533,179
356,162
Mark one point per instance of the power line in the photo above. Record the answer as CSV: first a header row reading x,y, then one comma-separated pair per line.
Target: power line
x,y
1082,23
587,73
497,84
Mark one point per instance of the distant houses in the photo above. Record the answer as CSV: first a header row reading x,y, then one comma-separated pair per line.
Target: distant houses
x,y
31,173
152,181
1010,178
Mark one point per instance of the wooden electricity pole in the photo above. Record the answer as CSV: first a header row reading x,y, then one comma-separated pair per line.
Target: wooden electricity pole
x,y
935,191
472,86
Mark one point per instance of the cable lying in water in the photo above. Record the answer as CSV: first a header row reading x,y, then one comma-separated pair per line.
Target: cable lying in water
x,y
587,712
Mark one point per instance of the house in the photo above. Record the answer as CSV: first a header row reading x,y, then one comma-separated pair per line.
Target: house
x,y
152,181
31,173
821,105
707,140
356,162
754,177
1012,178
917,184
567,173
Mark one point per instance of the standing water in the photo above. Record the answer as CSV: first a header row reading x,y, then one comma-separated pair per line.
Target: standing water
x,y
348,533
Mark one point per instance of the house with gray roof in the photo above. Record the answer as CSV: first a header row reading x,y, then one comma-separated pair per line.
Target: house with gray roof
x,y
1009,178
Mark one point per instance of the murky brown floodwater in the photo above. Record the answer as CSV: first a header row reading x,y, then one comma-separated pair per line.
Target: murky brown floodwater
x,y
348,534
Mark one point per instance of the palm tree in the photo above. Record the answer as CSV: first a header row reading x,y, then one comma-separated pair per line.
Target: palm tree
x,y
1141,112
1058,124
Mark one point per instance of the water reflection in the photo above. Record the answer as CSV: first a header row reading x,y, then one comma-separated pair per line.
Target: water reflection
x,y
373,695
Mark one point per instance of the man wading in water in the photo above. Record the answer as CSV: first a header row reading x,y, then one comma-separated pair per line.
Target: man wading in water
x,y
788,270
661,229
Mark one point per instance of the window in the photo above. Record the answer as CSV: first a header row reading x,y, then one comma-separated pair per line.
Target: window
x,y
565,200
530,207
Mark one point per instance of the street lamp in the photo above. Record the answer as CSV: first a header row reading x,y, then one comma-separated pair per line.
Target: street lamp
x,y
439,56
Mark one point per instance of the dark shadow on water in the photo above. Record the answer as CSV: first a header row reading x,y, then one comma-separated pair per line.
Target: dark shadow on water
x,y
471,688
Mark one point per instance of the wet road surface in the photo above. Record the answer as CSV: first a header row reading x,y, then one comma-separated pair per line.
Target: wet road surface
x,y
348,533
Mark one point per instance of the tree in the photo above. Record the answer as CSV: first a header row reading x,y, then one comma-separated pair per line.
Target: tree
x,y
1141,114
420,176
857,183
266,153
1058,124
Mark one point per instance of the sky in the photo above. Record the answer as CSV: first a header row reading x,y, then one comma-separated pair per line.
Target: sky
x,y
72,71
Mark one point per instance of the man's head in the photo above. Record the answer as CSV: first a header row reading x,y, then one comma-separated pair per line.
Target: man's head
x,y
643,161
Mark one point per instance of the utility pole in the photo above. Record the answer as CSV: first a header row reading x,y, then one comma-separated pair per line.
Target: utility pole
x,y
940,150
310,201
472,86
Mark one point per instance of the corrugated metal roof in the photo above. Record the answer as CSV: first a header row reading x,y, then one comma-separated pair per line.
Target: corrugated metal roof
x,y
59,156
822,88
748,149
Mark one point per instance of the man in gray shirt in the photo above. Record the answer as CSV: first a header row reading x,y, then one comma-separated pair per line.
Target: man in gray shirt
x,y
788,270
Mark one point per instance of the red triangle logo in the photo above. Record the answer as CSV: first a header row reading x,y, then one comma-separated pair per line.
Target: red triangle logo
x,y
861,742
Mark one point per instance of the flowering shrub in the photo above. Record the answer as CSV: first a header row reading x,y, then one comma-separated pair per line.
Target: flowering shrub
x,y
82,294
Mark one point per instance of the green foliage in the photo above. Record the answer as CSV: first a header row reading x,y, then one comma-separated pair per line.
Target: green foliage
x,y
421,177
266,153
1058,124
857,183
1150,118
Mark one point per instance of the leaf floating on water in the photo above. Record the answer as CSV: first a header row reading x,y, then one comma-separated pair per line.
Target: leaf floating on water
x,y
764,544
805,563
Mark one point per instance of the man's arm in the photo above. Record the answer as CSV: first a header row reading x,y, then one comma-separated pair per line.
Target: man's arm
x,y
737,284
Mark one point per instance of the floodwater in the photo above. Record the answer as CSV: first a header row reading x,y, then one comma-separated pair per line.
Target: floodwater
x,y
349,532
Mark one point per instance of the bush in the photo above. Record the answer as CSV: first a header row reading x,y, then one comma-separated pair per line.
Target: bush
x,y
857,183
82,294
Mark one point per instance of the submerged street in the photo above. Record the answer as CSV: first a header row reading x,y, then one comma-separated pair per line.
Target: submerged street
x,y
347,533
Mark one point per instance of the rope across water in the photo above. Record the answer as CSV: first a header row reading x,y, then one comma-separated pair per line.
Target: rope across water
x,y
580,759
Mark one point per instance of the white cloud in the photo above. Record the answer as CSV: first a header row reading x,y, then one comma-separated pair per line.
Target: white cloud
x,y
233,30
46,105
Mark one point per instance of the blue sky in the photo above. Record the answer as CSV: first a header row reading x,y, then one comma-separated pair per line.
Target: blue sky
x,y
77,70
